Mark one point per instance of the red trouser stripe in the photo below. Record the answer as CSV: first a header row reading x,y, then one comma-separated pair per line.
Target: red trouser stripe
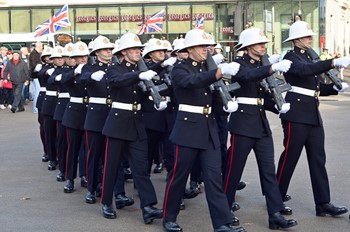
x,y
171,180
104,168
68,148
285,154
88,155
228,173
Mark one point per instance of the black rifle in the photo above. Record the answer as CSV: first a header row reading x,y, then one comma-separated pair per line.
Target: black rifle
x,y
167,75
331,74
274,85
220,85
148,86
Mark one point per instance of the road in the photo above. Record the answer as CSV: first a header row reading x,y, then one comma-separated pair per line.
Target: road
x,y
31,200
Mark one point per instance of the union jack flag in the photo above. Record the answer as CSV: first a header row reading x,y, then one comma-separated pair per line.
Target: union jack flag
x,y
153,24
58,21
199,23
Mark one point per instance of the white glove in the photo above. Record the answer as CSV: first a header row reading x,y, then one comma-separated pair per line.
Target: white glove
x,y
275,58
342,62
169,61
148,75
230,69
218,58
344,86
77,70
98,75
50,71
232,106
282,66
58,77
162,106
285,108
38,67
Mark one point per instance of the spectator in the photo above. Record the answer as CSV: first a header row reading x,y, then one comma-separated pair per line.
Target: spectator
x,y
19,74
24,54
6,97
325,55
3,54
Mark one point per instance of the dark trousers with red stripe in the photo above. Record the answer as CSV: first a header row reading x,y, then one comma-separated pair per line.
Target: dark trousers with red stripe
x,y
61,146
42,130
95,142
210,161
74,141
138,160
50,137
297,136
264,153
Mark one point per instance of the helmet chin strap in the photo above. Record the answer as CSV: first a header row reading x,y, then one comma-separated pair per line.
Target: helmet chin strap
x,y
302,45
200,56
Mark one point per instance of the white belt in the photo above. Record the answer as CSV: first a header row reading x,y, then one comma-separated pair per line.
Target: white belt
x,y
98,100
42,89
164,98
51,93
303,91
76,100
250,101
195,109
126,106
63,95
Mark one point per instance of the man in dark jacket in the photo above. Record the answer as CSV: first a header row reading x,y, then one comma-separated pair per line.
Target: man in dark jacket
x,y
17,71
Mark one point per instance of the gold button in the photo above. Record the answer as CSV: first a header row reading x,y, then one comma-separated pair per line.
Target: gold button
x,y
116,114
134,91
205,93
185,118
206,116
298,100
242,111
92,108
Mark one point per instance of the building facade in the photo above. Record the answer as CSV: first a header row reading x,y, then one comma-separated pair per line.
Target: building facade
x,y
224,19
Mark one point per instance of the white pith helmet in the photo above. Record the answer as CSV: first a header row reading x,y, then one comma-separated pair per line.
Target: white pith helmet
x,y
80,49
167,45
57,52
253,36
196,37
68,49
179,44
153,45
298,30
240,40
218,46
128,40
101,42
46,52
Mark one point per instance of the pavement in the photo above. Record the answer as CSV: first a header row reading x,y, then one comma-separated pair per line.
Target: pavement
x,y
32,201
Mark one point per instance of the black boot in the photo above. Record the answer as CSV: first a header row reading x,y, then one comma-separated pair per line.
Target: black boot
x,y
60,177
44,158
235,206
241,185
235,220
277,221
286,198
69,187
108,211
83,181
286,211
121,201
52,165
329,208
182,204
171,227
226,228
150,213
90,198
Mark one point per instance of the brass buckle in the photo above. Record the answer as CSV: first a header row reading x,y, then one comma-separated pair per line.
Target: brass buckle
x,y
134,107
57,93
260,102
316,94
206,110
108,101
86,100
